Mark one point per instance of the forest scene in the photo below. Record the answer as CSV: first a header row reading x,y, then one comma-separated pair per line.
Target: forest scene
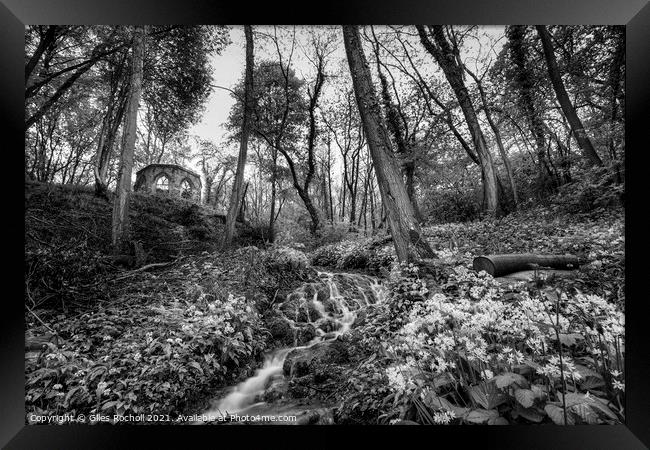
x,y
324,225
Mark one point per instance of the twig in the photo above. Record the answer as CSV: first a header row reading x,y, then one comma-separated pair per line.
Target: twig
x,y
40,320
147,267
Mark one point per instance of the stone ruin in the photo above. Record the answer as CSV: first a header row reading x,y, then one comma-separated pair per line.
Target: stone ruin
x,y
169,179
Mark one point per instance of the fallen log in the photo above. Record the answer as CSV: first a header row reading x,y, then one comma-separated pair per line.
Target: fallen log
x,y
499,265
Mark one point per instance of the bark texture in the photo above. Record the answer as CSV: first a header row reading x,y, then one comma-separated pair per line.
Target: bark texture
x,y
237,188
446,58
568,109
525,86
407,235
120,228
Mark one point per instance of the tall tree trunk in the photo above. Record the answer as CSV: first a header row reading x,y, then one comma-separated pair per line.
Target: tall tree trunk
x,y
303,190
497,136
615,76
372,206
443,53
120,228
395,126
326,200
568,109
108,132
409,173
353,195
274,176
241,215
47,40
525,85
364,201
407,236
236,196
329,180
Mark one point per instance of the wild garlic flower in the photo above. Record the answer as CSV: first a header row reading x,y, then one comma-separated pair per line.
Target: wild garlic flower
x,y
396,379
487,374
443,417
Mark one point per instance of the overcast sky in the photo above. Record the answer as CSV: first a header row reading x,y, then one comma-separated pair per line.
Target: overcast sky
x,y
228,68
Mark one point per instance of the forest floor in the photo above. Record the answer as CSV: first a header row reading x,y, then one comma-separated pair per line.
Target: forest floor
x,y
165,340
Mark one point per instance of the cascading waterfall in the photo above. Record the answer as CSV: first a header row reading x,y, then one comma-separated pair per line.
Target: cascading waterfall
x,y
330,306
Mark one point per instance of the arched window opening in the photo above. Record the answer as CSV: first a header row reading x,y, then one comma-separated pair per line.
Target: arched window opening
x,y
162,184
186,189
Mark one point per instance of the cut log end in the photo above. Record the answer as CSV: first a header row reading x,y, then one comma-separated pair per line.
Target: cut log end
x,y
484,263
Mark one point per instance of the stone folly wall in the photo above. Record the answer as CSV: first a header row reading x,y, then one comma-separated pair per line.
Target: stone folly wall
x,y
180,181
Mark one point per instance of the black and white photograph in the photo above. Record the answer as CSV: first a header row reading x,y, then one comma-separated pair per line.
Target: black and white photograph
x,y
325,225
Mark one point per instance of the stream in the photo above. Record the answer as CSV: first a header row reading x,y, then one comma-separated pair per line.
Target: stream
x,y
325,308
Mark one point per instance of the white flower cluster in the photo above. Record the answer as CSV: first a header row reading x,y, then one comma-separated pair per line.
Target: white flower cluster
x,y
491,332
445,253
443,417
552,368
396,379
617,384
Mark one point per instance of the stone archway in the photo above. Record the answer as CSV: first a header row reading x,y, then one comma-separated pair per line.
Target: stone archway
x,y
181,182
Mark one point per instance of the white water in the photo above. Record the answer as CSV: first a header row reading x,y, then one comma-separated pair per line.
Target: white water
x,y
344,311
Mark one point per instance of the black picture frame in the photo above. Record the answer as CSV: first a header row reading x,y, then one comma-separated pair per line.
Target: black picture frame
x,y
635,14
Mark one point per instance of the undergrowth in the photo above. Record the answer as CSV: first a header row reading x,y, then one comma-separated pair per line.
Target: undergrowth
x,y
478,351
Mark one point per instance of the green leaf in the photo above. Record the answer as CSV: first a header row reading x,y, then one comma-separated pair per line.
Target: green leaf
x,y
586,413
487,395
436,402
539,391
108,405
442,380
532,414
590,378
556,414
481,416
525,397
573,398
508,378
70,394
601,405
591,383
498,421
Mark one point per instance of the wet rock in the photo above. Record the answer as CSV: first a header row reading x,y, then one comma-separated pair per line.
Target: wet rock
x,y
279,328
300,387
316,359
323,294
296,309
327,326
305,334
275,391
